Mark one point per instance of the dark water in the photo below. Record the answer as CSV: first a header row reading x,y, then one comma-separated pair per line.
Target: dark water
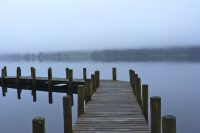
x,y
177,83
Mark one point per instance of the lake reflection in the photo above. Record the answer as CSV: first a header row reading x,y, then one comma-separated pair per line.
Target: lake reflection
x,y
176,83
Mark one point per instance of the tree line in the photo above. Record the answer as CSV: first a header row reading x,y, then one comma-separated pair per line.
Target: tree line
x,y
176,54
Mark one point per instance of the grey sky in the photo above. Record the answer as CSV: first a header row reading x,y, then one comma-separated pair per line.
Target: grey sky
x,y
41,25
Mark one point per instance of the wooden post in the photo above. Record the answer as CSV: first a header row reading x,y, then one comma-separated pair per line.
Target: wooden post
x,y
70,75
135,76
93,83
169,124
5,71
114,73
70,78
133,82
67,73
97,73
67,113
5,75
33,75
87,91
50,85
38,125
3,82
138,91
84,73
131,76
145,101
155,103
18,83
80,100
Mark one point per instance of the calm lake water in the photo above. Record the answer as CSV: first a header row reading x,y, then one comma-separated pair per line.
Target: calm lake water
x,y
177,83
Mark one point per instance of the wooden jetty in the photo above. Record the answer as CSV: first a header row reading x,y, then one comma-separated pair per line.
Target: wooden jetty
x,y
113,108
104,106
58,84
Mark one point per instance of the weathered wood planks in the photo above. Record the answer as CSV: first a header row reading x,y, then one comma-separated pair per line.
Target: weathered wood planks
x,y
113,109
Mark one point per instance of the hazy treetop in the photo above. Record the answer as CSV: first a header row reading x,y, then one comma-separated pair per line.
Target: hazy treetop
x,y
51,25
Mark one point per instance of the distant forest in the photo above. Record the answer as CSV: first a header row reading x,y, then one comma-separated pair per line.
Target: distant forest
x,y
180,54
57,56
175,54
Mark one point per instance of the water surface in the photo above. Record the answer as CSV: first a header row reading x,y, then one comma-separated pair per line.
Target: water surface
x,y
176,83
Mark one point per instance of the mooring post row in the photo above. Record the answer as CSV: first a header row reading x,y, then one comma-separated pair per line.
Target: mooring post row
x,y
38,125
155,104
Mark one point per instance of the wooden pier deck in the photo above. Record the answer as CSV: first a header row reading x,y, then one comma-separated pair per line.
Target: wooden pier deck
x,y
113,109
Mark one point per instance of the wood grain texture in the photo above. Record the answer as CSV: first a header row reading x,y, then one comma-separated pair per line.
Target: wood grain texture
x,y
113,109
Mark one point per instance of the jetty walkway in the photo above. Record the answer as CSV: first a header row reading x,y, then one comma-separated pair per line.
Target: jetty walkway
x,y
113,108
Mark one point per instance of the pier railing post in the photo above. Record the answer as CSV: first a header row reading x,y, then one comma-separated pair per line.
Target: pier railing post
x,y
70,75
70,78
33,76
18,83
84,73
114,73
95,80
97,73
138,91
38,125
155,103
80,100
50,85
130,75
145,101
132,80
3,82
5,75
67,112
168,124
93,83
87,91
67,73
135,77
5,71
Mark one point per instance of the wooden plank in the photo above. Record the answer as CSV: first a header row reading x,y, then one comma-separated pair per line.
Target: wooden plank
x,y
113,109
